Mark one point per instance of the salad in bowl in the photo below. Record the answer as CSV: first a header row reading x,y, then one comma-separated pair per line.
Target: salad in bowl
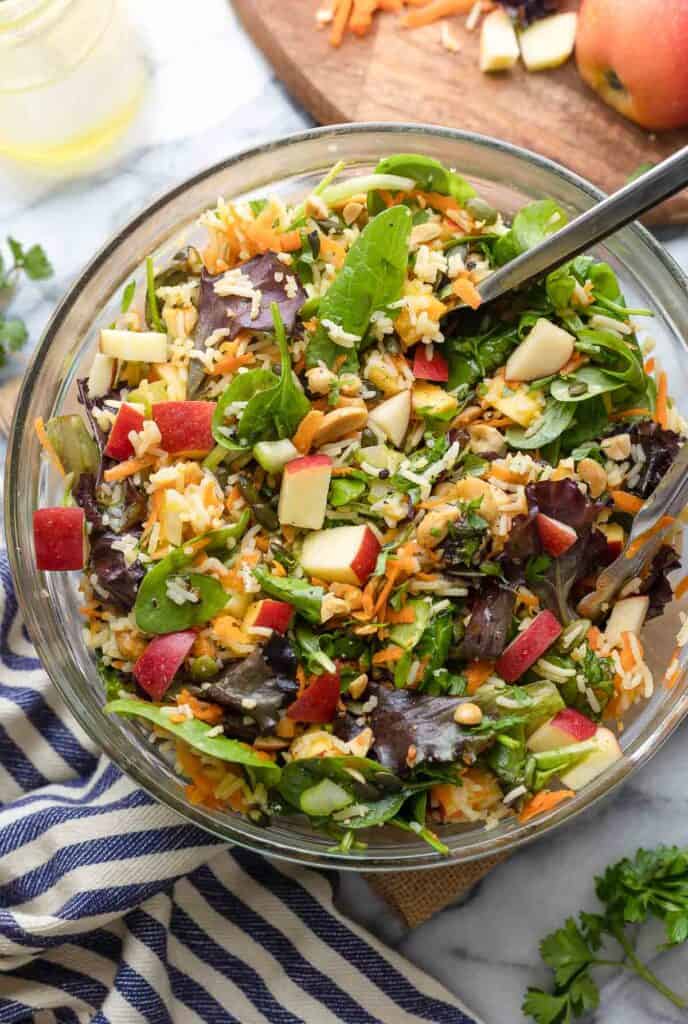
x,y
334,522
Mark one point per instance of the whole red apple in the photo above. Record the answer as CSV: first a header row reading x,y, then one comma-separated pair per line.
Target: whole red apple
x,y
634,53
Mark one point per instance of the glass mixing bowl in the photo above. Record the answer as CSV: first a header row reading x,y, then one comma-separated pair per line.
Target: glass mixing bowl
x,y
507,177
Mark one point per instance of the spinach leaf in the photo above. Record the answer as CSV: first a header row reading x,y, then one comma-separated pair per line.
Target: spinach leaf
x,y
378,812
472,359
305,598
195,733
358,777
586,383
429,175
617,356
277,411
554,421
155,612
371,279
591,418
244,387
310,652
530,226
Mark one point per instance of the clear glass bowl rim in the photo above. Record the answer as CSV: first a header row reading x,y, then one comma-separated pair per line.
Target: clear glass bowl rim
x,y
407,855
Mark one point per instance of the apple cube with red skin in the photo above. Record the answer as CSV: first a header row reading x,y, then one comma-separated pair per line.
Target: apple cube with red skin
x,y
119,446
555,537
343,554
303,494
269,614
319,702
58,538
528,646
161,660
186,428
606,751
436,369
568,726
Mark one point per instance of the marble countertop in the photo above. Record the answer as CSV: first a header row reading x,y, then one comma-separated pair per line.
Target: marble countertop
x,y
484,949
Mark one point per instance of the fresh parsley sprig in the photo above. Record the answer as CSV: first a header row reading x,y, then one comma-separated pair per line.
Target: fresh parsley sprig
x,y
653,884
35,264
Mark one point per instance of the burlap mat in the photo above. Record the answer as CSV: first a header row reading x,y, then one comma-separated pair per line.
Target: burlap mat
x,y
418,895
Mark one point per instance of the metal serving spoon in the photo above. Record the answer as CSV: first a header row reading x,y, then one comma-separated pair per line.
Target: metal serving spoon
x,y
596,224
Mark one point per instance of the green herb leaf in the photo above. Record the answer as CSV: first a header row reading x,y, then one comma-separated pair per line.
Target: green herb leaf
x,y
33,261
371,279
429,175
530,226
274,413
551,425
128,296
195,733
13,333
586,383
306,598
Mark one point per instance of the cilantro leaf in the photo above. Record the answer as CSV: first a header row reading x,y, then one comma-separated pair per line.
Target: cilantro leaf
x,y
545,1008
33,261
13,333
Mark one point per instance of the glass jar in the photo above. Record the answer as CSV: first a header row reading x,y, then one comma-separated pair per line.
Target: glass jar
x,y
72,79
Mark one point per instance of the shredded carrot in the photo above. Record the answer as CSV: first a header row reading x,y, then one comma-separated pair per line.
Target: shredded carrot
x,y
125,469
438,202
626,413
627,656
47,446
362,16
594,638
404,616
201,709
649,365
289,241
661,409
643,537
626,502
387,654
681,589
542,802
307,429
467,292
342,470
230,363
506,474
477,673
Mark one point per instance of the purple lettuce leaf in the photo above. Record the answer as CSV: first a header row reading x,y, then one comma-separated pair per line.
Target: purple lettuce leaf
x,y
119,580
403,719
562,500
488,627
656,584
234,313
660,448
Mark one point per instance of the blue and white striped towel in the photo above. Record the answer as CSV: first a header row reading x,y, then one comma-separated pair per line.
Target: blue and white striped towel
x,y
113,910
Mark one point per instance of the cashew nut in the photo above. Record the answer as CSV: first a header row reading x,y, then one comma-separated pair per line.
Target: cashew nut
x,y
486,439
435,525
340,422
593,475
618,447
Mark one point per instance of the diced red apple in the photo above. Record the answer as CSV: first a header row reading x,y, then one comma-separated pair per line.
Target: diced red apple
x,y
269,614
161,660
319,702
303,495
606,752
392,417
58,538
185,427
628,616
528,646
436,369
556,537
615,538
568,726
344,554
119,446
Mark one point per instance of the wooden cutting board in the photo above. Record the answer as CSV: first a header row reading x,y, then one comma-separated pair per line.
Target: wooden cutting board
x,y
395,74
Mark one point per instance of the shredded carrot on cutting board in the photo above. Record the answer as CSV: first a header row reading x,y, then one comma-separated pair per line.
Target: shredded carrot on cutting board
x,y
431,12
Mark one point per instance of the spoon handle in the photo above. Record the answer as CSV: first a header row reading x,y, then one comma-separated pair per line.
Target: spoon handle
x,y
597,223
